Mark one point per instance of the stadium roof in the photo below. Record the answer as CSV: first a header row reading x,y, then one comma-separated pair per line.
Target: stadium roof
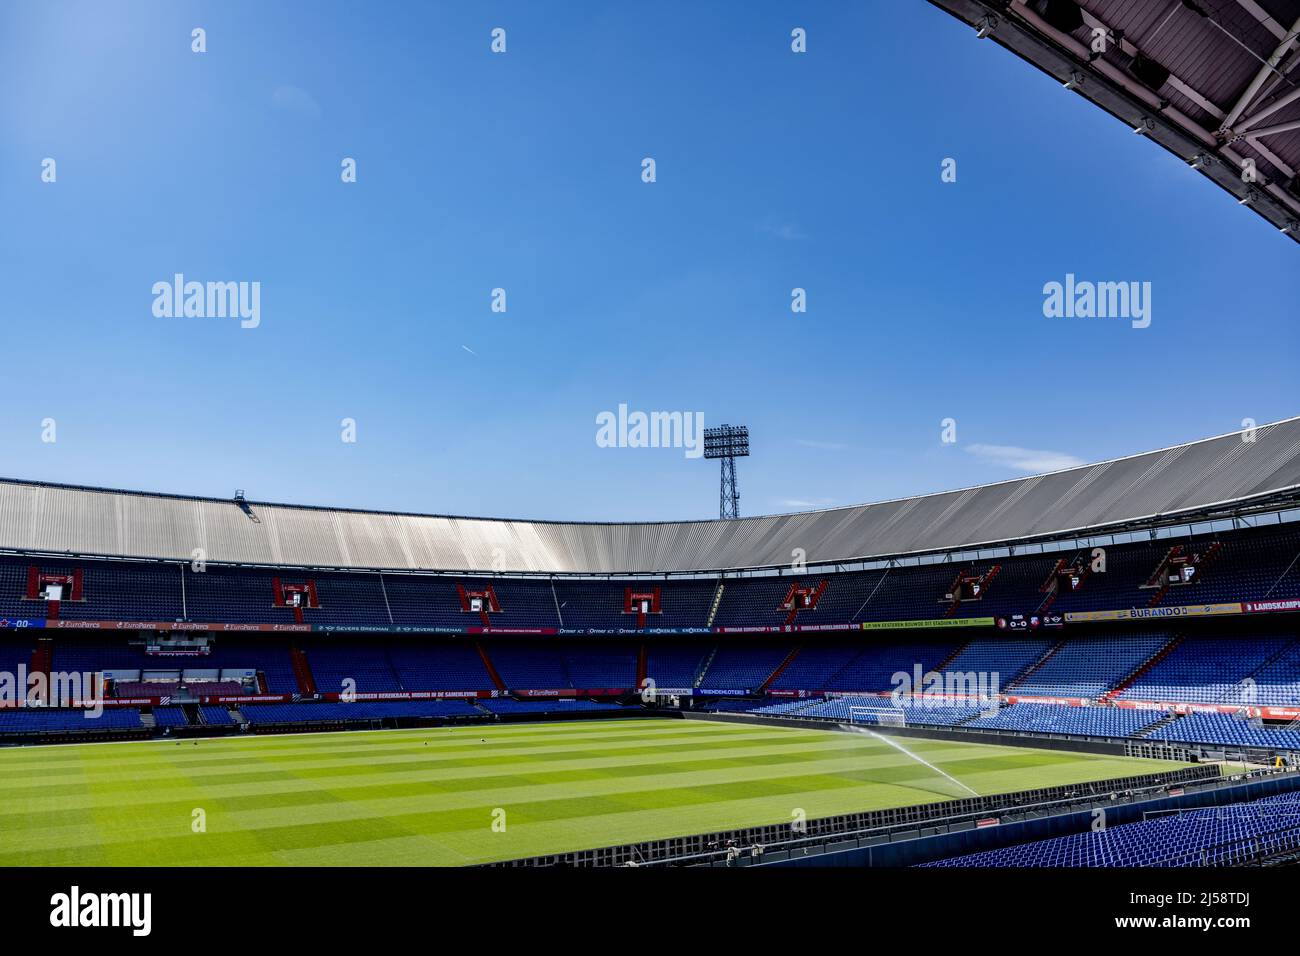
x,y
1214,81
1225,475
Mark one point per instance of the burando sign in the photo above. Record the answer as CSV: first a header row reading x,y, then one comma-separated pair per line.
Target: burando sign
x,y
939,622
1154,613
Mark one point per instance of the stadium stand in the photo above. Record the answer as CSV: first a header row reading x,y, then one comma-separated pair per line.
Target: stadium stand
x,y
1007,657
365,663
742,705
1252,565
883,710
1076,721
438,665
740,664
1229,730
816,665
41,720
672,664
1090,666
170,717
1215,836
367,710
1215,670
875,667
561,705
292,615
530,665
215,716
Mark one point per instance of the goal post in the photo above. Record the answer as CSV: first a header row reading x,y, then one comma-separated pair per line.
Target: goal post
x,y
878,716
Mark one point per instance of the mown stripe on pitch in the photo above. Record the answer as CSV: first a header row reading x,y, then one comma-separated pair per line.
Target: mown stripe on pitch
x,y
19,799
337,774
677,789
425,784
405,806
484,755
301,793
222,760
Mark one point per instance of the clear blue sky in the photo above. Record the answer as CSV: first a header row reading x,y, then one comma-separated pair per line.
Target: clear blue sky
x,y
522,171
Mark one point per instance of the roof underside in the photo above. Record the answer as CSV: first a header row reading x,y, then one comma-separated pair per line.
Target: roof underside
x,y
1214,81
1220,475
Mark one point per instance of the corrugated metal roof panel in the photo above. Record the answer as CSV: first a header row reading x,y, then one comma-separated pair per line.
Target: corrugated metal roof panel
x,y
40,517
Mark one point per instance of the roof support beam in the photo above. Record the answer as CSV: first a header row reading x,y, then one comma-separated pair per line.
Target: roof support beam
x,y
1278,78
1267,111
1071,63
1276,160
1127,46
1279,128
1114,74
1265,71
1262,15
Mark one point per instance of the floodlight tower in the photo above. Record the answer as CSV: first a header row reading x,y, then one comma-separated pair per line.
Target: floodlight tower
x,y
727,442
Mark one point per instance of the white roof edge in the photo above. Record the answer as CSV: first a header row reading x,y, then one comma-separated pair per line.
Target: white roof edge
x,y
1068,502
564,521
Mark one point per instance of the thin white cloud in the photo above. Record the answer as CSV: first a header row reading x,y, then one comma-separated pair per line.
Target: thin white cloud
x,y
469,350
824,445
805,504
1029,460
786,231
293,99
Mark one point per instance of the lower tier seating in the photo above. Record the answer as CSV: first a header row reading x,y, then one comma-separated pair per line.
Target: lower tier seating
x,y
1216,836
41,720
315,712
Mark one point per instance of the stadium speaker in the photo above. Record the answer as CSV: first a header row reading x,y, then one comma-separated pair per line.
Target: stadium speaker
x,y
1148,72
1062,14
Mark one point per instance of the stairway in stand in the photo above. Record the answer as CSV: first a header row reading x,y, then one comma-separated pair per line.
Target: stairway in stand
x,y
780,668
302,671
42,662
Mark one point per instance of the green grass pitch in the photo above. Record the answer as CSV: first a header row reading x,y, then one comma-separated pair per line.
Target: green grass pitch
x,y
427,797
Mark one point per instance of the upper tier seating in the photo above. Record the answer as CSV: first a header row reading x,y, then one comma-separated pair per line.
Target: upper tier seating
x,y
683,603
1248,564
154,688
